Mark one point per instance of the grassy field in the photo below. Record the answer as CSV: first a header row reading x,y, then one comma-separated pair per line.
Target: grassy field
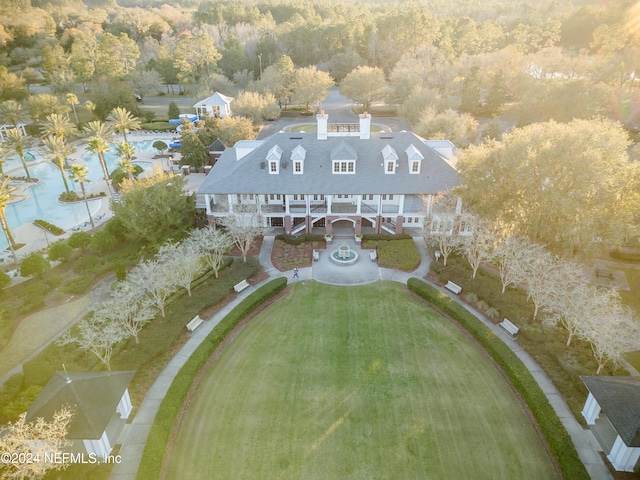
x,y
361,382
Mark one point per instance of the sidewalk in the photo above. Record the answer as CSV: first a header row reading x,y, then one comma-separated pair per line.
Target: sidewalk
x,y
134,436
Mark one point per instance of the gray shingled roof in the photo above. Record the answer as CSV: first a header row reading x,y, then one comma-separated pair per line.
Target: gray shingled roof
x,y
619,398
250,174
94,397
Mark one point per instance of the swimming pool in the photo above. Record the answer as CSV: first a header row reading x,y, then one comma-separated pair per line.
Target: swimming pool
x,y
42,199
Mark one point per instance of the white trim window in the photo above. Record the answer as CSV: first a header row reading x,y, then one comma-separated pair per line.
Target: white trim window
x,y
344,166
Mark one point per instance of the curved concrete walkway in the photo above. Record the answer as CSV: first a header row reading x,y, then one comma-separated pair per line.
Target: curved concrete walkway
x,y
134,435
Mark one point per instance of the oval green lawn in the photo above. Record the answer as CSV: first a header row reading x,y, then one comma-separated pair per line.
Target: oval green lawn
x,y
361,383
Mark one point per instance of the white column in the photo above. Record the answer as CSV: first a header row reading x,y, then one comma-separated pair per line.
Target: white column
x,y
207,204
459,206
230,202
124,405
100,447
591,410
401,205
623,458
358,204
328,198
286,205
307,201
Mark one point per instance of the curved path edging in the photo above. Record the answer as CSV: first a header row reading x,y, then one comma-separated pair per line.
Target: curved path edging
x,y
134,435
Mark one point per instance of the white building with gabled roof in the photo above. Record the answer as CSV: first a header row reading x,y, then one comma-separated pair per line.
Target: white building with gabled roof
x,y
343,175
216,106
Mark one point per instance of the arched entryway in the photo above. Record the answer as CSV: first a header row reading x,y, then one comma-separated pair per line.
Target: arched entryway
x,y
343,227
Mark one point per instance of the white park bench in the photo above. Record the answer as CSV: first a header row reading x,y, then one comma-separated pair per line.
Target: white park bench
x,y
241,286
316,255
373,255
453,287
509,327
194,323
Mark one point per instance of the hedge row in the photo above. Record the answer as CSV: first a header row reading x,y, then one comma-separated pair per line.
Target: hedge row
x,y
385,236
559,440
156,445
300,239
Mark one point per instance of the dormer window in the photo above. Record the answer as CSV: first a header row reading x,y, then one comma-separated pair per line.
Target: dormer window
x,y
390,157
415,159
298,155
273,158
343,159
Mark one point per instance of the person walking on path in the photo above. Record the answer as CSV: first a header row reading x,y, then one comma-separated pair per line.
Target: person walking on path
x,y
295,273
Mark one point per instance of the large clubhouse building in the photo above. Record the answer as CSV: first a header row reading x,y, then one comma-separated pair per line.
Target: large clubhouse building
x,y
342,175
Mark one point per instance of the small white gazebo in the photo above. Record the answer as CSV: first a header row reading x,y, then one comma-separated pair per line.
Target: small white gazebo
x,y
101,406
217,106
612,411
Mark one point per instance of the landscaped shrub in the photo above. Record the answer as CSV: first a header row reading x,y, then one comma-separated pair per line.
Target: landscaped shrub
x,y
102,241
559,440
384,236
399,254
33,265
121,270
156,445
60,251
300,239
49,227
79,239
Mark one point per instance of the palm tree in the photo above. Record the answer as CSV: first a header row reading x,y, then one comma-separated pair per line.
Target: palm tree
x,y
59,150
72,99
98,143
6,195
18,143
127,168
1,161
96,128
11,113
80,174
100,147
122,120
58,125
125,151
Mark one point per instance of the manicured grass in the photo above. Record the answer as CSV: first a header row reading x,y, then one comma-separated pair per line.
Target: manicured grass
x,y
360,382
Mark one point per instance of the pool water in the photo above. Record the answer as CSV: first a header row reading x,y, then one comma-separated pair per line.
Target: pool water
x,y
42,199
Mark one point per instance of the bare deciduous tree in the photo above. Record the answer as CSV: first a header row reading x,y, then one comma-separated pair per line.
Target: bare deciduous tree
x,y
509,255
612,335
547,276
210,245
155,280
479,247
181,262
129,308
581,305
440,230
34,440
243,227
97,335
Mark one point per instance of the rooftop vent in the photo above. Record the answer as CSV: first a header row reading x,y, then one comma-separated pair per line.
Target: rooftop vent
x,y
387,138
295,138
283,164
263,165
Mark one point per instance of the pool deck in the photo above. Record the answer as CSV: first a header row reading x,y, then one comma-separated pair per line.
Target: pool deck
x,y
35,239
